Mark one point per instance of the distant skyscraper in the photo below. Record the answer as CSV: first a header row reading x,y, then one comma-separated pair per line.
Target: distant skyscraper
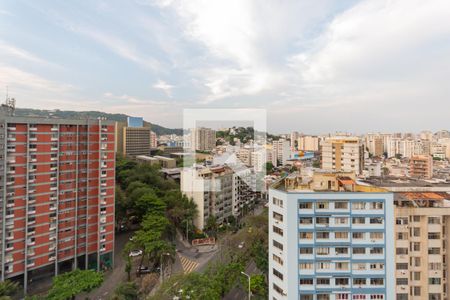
x,y
203,139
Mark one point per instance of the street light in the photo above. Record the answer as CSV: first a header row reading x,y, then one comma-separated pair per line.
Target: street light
x,y
249,292
187,229
161,266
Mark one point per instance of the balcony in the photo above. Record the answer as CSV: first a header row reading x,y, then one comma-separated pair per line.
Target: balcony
x,y
11,172
9,248
32,149
11,150
54,148
9,259
33,139
11,128
52,258
11,160
32,128
54,128
11,139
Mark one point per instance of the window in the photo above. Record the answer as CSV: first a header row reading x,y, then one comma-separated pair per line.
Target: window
x,y
434,266
416,291
323,265
377,266
277,202
359,220
306,220
376,205
306,281
323,297
359,281
322,251
306,250
376,220
359,250
341,265
341,220
278,289
416,218
341,281
402,236
278,230
434,250
277,216
401,221
322,205
305,205
323,281
359,266
358,235
415,261
434,235
358,205
305,266
340,205
402,281
416,231
341,235
434,220
322,235
401,251
305,235
277,259
376,250
341,250
376,235
402,266
376,281
277,245
433,296
433,280
415,246
278,274
322,220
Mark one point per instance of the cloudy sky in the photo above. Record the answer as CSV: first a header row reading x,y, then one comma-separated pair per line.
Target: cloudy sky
x,y
315,65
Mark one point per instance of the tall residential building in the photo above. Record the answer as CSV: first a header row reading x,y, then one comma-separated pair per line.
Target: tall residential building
x,y
374,143
153,140
308,143
281,151
219,191
422,224
343,154
136,141
421,166
212,191
330,238
203,139
57,196
294,140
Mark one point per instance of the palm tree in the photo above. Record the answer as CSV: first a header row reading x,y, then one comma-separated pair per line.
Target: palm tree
x,y
7,289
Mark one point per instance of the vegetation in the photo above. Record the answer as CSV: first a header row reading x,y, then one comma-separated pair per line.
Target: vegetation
x,y
157,204
7,289
159,130
225,273
68,285
126,291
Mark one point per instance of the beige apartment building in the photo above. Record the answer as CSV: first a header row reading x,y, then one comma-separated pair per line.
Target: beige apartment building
x,y
203,139
136,141
342,154
421,166
308,143
422,250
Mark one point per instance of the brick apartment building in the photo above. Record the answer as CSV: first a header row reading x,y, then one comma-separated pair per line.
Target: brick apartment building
x,y
56,196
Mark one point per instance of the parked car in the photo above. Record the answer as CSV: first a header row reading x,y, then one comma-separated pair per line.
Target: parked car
x,y
134,253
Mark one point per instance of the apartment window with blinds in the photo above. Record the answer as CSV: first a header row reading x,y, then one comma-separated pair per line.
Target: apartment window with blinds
x,y
278,230
278,259
277,202
278,216
277,245
278,274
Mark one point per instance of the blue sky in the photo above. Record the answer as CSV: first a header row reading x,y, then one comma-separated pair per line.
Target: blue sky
x,y
316,66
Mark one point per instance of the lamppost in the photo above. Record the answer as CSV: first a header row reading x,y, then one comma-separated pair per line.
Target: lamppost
x,y
162,266
249,292
187,229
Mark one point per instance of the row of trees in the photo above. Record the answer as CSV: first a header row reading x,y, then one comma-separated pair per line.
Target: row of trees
x,y
144,197
225,274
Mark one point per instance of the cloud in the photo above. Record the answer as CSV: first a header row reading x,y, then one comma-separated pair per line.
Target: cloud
x,y
165,87
7,49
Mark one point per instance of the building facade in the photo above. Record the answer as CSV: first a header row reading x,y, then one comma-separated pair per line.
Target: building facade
x,y
421,166
342,154
57,196
330,239
203,139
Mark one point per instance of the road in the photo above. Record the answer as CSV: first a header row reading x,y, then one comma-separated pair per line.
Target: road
x,y
115,276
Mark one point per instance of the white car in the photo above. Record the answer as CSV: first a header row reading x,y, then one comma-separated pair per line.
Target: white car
x,y
134,253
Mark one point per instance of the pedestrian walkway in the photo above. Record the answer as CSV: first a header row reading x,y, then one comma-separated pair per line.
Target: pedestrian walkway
x,y
187,264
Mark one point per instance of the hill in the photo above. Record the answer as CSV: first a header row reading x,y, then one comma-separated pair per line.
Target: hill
x,y
159,130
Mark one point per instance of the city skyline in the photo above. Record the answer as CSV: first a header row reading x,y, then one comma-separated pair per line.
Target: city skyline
x,y
353,66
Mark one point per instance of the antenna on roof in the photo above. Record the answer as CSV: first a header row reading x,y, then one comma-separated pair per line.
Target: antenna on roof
x,y
10,104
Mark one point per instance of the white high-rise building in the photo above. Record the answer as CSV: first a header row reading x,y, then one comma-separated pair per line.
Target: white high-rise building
x,y
330,238
308,143
282,151
203,139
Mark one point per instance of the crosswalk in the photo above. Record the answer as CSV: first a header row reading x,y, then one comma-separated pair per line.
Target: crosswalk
x,y
187,264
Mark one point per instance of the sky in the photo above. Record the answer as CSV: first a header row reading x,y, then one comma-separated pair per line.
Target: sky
x,y
316,66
